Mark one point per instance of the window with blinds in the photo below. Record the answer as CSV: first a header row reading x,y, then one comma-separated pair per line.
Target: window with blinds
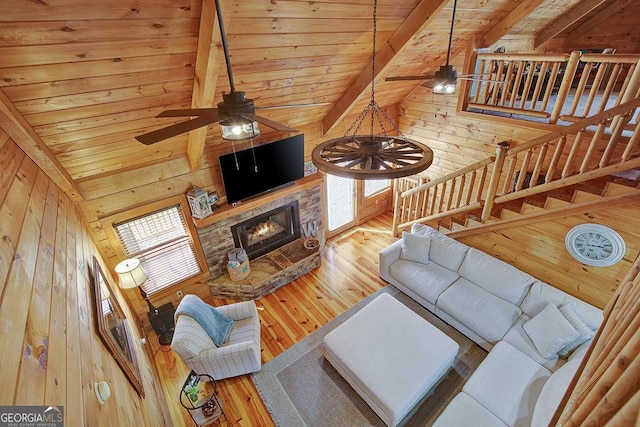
x,y
161,241
374,186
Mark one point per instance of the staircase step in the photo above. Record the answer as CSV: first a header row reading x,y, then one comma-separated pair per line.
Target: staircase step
x,y
553,203
529,209
584,196
615,189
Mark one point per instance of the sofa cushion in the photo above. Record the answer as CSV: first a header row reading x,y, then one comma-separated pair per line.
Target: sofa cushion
x,y
552,393
542,294
550,331
444,250
495,276
415,248
463,411
507,383
484,313
426,280
585,332
518,338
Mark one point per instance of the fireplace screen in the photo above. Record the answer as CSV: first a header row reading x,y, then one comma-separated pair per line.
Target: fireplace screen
x,y
267,232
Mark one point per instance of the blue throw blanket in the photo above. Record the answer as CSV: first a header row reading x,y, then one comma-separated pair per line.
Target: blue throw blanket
x,y
215,323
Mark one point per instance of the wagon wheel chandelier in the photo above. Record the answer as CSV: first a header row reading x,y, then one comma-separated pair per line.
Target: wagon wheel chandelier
x,y
362,156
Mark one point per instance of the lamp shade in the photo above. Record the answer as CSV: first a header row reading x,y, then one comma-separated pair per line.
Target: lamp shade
x,y
130,273
237,131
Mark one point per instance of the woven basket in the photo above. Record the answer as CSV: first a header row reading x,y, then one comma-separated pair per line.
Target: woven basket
x,y
239,272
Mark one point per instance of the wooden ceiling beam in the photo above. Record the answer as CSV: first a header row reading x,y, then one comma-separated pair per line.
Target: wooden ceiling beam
x,y
519,13
597,20
566,20
417,21
208,57
20,131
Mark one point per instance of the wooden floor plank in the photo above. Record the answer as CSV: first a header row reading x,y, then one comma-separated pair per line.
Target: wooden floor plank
x,y
348,274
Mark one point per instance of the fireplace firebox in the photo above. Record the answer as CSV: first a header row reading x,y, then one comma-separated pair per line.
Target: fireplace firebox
x,y
268,231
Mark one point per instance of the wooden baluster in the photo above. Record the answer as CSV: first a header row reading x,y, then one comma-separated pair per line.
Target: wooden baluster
x,y
501,152
539,164
539,84
460,191
618,124
472,181
551,83
511,169
566,170
523,170
557,153
611,83
530,69
565,86
516,83
632,144
509,76
592,147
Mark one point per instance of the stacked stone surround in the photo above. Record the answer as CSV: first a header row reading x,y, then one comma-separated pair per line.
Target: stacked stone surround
x,y
216,239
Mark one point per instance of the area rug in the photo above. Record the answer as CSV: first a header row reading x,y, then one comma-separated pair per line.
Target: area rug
x,y
300,388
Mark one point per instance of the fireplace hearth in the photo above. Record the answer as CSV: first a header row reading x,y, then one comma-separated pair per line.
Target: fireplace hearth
x,y
268,231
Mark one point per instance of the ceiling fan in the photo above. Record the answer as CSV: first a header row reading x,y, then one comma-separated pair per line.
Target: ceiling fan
x,y
236,113
443,80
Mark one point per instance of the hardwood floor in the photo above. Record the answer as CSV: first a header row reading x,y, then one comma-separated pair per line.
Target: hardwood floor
x,y
349,273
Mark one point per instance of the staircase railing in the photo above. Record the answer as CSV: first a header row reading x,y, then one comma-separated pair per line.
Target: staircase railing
x,y
600,145
540,86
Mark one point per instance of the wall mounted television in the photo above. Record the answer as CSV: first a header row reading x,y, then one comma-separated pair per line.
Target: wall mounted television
x,y
254,171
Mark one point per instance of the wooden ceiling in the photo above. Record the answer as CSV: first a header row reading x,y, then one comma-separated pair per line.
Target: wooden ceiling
x,y
80,79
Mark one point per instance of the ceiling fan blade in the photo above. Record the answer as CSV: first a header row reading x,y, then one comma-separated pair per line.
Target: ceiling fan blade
x,y
173,130
277,107
190,112
402,78
268,122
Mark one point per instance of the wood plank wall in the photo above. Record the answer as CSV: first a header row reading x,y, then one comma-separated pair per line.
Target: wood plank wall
x,y
50,352
460,139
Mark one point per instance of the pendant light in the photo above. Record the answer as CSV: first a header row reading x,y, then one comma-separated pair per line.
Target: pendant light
x,y
362,156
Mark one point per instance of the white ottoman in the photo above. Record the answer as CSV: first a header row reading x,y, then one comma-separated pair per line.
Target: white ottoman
x,y
390,356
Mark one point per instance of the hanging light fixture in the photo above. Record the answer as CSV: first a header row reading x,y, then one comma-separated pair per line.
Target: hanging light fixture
x,y
362,156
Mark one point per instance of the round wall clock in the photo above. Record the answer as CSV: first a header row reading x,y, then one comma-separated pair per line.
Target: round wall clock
x,y
595,244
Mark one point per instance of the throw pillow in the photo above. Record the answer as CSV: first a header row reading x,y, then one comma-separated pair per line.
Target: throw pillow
x,y
415,247
550,331
585,332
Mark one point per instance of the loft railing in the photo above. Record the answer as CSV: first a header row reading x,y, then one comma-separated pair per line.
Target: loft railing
x,y
600,145
553,87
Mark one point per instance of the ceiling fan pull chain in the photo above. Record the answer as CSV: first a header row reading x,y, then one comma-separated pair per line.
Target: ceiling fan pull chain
x,y
235,156
253,153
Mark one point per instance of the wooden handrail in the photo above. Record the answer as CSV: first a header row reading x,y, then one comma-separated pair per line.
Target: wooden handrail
x,y
449,177
576,127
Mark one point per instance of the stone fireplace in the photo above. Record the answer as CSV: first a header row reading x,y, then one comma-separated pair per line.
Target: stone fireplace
x,y
268,231
272,265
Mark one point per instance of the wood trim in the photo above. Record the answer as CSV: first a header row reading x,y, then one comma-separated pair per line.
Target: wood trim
x,y
598,19
21,132
520,12
420,17
227,211
208,59
566,20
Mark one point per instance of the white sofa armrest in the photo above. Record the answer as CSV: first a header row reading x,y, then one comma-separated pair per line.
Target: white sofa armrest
x,y
388,256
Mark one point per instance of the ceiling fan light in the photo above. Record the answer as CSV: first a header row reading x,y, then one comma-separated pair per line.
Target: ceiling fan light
x,y
239,131
445,88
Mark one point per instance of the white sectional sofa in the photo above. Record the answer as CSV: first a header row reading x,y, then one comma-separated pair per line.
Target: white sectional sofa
x,y
536,335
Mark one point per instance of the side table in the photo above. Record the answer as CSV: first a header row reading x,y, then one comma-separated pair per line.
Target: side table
x,y
198,397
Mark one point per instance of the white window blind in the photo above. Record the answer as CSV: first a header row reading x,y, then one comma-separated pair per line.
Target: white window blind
x,y
373,186
161,241
340,203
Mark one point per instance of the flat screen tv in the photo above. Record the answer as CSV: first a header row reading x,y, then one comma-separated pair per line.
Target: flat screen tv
x,y
248,173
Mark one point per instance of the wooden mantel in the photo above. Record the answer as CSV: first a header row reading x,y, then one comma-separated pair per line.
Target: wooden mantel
x,y
227,211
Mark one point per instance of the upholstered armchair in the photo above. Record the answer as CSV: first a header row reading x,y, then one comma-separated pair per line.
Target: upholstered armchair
x,y
240,354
